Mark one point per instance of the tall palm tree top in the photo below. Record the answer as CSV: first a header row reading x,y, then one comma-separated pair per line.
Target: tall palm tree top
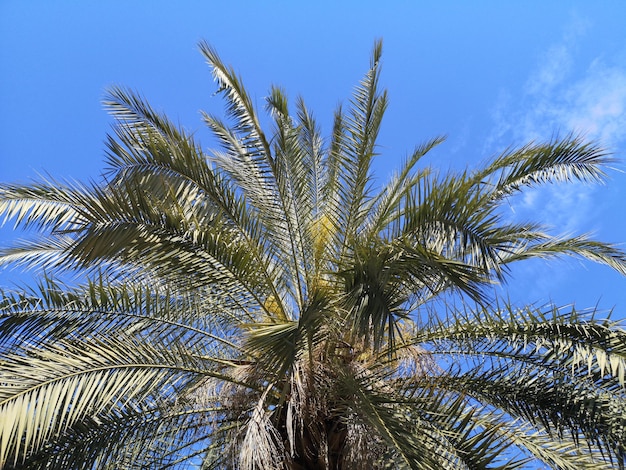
x,y
267,305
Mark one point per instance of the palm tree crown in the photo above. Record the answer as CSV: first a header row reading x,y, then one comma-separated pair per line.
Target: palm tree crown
x,y
266,305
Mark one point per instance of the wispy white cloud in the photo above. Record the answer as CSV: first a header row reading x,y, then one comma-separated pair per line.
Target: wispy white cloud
x,y
558,60
562,96
593,105
556,65
596,105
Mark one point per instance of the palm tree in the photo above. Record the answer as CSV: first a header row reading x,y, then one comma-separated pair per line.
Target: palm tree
x,y
267,305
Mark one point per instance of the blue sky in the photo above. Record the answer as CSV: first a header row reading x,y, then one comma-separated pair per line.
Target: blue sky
x,y
486,74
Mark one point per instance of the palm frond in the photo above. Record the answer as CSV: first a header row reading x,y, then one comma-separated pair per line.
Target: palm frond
x,y
82,382
48,205
581,245
354,146
559,160
387,208
559,372
239,103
